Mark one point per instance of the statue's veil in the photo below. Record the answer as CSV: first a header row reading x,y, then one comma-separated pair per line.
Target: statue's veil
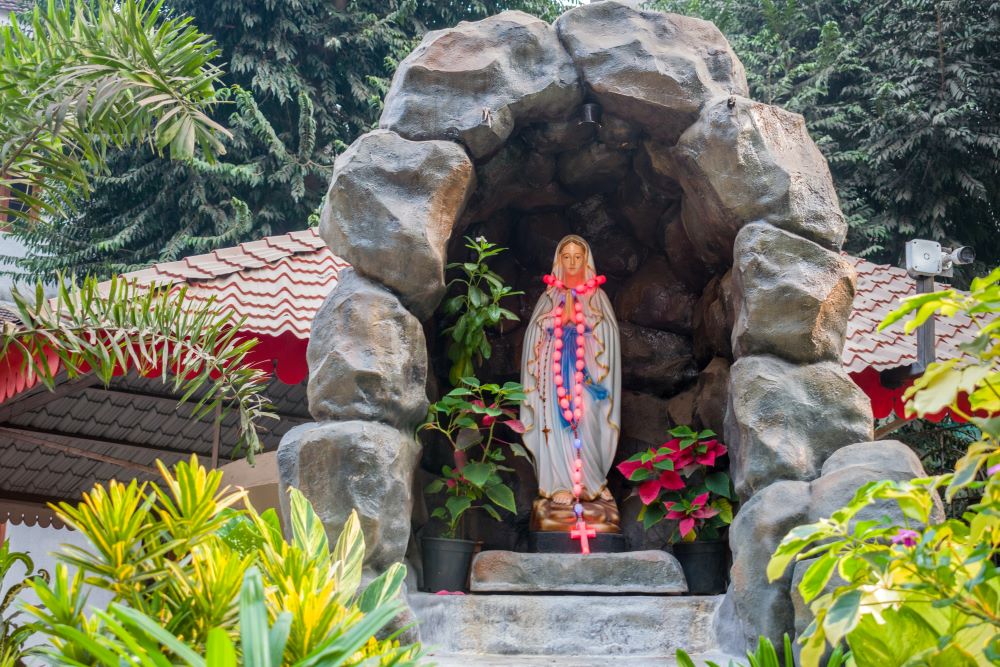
x,y
557,265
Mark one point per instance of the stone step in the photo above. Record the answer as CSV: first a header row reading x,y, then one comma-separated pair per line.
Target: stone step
x,y
467,660
565,625
632,572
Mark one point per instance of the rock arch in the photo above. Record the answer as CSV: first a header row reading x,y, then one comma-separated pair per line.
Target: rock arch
x,y
727,196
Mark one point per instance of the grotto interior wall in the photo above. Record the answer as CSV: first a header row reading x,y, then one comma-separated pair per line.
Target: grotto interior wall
x,y
674,310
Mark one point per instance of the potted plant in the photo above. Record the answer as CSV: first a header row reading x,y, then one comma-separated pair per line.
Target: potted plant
x,y
679,481
475,419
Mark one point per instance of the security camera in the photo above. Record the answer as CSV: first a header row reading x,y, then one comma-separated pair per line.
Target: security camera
x,y
926,259
963,254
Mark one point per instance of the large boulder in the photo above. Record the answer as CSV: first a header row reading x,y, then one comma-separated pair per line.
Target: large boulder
x,y
367,357
391,208
475,82
653,69
795,296
784,420
764,608
593,168
354,465
517,178
744,161
713,319
772,609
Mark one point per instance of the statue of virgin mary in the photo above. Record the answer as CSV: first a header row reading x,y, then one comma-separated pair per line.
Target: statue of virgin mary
x,y
571,372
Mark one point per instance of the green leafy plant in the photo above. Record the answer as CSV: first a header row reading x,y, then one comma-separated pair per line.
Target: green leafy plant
x,y
468,417
765,655
678,481
106,328
12,635
922,592
81,78
477,309
197,580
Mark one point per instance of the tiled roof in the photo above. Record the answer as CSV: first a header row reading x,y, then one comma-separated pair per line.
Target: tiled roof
x,y
278,283
880,289
13,5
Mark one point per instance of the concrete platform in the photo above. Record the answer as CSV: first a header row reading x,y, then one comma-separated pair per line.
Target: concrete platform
x,y
466,660
628,573
547,626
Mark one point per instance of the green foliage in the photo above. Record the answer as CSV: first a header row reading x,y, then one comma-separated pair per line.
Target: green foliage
x,y
90,328
924,592
678,481
765,655
894,94
83,78
468,417
317,75
12,635
477,309
184,592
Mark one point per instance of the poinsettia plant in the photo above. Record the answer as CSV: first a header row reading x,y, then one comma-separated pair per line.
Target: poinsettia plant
x,y
479,421
678,481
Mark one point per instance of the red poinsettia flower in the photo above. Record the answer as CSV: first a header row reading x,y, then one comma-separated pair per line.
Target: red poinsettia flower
x,y
650,489
713,450
682,458
628,467
690,514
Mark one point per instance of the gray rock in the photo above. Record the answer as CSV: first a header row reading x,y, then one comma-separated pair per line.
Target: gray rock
x,y
745,161
367,357
764,608
655,361
617,134
773,609
784,420
593,168
631,572
682,255
475,82
565,625
355,465
795,296
655,297
643,208
851,467
537,237
616,253
711,395
653,69
681,407
645,419
390,211
517,178
558,136
636,535
711,321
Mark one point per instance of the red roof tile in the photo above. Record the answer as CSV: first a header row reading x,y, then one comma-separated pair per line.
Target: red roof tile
x,y
279,282
881,288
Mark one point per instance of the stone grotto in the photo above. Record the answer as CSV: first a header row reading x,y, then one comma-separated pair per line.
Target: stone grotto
x,y
714,218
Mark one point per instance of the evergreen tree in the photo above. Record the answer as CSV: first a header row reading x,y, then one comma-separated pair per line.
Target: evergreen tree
x,y
307,77
901,97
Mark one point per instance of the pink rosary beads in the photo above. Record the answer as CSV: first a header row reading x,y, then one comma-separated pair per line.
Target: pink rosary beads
x,y
571,404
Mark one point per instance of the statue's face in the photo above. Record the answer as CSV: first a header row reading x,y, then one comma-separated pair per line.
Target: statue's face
x,y
572,259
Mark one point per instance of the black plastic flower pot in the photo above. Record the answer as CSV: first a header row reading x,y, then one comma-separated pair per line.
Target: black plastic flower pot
x,y
446,563
704,565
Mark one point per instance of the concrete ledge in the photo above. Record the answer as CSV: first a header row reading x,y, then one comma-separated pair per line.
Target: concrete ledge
x,y
633,572
565,625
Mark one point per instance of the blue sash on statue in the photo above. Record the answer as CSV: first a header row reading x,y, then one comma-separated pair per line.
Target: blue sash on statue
x,y
596,391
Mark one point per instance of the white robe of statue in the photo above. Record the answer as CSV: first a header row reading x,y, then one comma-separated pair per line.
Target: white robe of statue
x,y
548,436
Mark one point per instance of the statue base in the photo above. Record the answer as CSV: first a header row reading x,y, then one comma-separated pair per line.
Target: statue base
x,y
600,515
559,542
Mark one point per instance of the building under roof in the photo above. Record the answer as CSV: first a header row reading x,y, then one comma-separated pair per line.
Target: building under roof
x,y
55,445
